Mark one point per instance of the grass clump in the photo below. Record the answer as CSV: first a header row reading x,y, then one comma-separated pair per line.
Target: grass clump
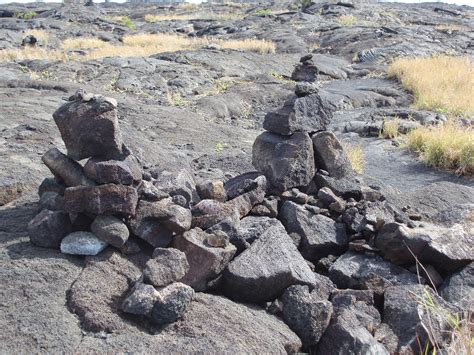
x,y
41,35
390,128
125,21
448,146
442,83
83,43
26,15
347,20
356,156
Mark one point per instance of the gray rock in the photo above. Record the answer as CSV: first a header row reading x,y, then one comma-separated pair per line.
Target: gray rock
x,y
76,120
82,243
205,261
241,184
368,272
459,288
167,265
140,300
171,303
268,208
305,313
103,199
153,232
111,230
208,213
263,271
66,169
177,181
125,172
446,248
149,192
345,335
48,228
330,156
321,67
50,201
213,190
51,185
320,235
299,114
245,202
285,161
250,229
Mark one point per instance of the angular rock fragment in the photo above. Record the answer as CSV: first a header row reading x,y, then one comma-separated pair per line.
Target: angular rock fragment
x,y
167,265
125,172
102,199
285,161
245,202
330,155
66,169
320,67
213,190
208,213
82,243
111,230
89,127
153,232
320,235
305,313
241,184
299,114
50,201
263,271
177,181
458,289
140,300
171,303
51,185
205,261
48,228
368,272
250,229
347,187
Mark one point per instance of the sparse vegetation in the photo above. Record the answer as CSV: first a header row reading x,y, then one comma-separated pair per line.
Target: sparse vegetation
x,y
176,99
83,43
347,20
305,3
41,35
125,21
26,15
263,12
391,128
185,17
451,28
443,83
448,146
356,156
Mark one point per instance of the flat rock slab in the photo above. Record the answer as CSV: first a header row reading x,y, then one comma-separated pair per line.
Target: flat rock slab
x,y
82,243
262,272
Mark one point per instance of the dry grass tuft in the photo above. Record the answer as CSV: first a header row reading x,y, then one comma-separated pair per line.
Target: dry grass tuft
x,y
261,46
356,156
450,28
84,43
347,20
449,146
41,35
391,128
186,17
29,53
442,83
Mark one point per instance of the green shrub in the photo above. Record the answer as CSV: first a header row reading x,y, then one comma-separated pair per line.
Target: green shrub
x,y
26,15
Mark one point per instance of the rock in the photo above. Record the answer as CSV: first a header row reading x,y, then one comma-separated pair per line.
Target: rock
x,y
321,67
299,114
130,247
305,313
345,335
177,181
285,161
140,300
205,261
268,208
167,265
51,185
320,235
411,311
149,192
250,229
445,248
102,199
429,273
263,271
368,272
76,120
347,187
458,289
305,88
66,169
111,230
153,232
241,184
10,189
171,303
82,243
245,202
330,156
208,213
213,190
323,287
125,172
48,228
50,201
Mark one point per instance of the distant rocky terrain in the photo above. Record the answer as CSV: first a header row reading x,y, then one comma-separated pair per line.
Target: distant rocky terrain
x,y
202,200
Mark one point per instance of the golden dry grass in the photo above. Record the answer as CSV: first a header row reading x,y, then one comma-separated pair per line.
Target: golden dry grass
x,y
139,45
449,146
347,20
41,35
443,83
452,28
185,17
391,128
356,156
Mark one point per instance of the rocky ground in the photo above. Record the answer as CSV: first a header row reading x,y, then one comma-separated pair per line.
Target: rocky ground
x,y
197,113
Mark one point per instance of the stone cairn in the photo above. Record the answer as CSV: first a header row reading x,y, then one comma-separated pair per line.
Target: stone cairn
x,y
286,236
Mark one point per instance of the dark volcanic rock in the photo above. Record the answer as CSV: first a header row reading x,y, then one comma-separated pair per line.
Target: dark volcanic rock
x,y
205,261
171,303
89,127
330,156
250,229
364,272
321,67
166,266
140,300
48,228
124,172
103,199
286,161
111,230
66,169
263,271
458,289
320,235
305,313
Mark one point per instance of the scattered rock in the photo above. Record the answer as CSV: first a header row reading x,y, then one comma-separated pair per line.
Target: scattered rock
x,y
330,156
213,190
48,228
125,172
140,300
171,303
66,169
82,243
167,265
111,230
458,289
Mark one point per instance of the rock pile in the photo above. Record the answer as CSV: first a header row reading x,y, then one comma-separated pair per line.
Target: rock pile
x,y
303,236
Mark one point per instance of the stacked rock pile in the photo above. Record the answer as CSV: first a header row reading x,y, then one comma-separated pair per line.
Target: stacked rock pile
x,y
303,236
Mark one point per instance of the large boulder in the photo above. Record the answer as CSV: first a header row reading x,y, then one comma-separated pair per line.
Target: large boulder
x,y
89,126
320,235
102,199
205,260
48,228
286,161
299,114
305,313
330,155
368,272
446,248
269,266
459,288
67,170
